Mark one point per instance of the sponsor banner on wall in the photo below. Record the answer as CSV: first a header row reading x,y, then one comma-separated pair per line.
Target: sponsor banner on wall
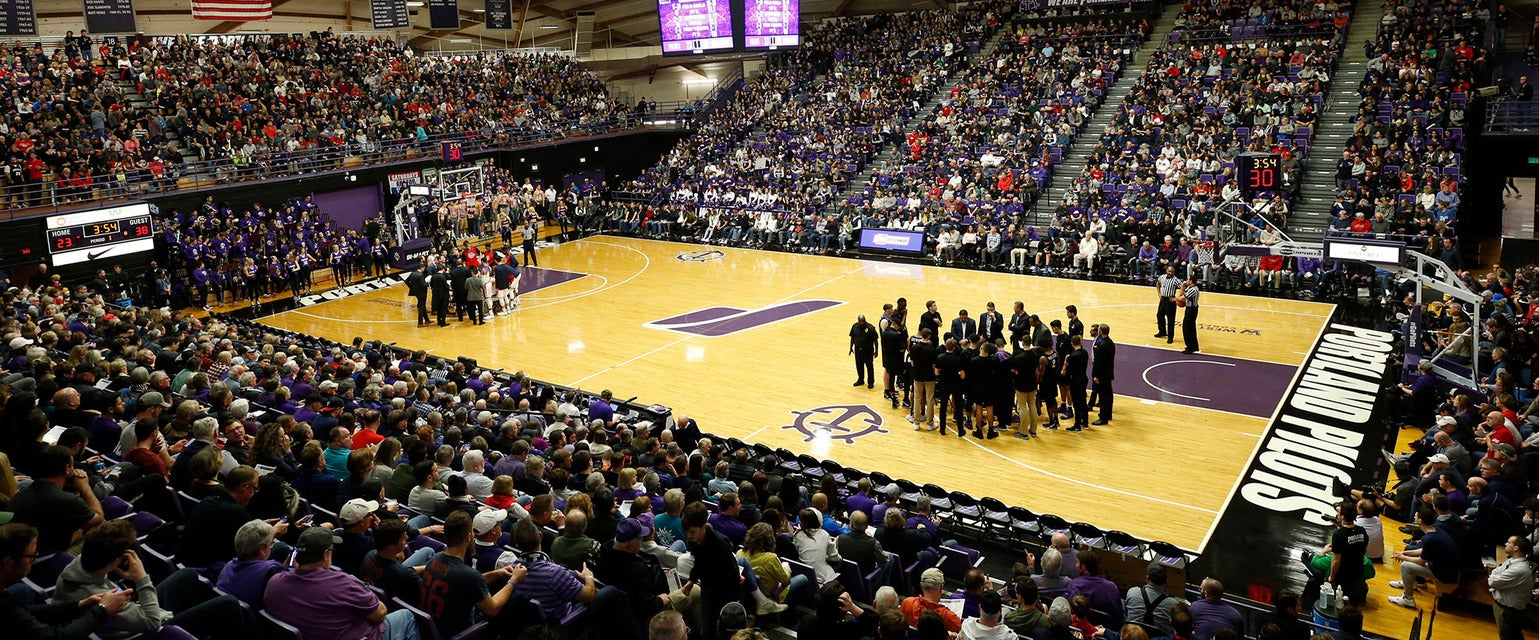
x,y
1328,430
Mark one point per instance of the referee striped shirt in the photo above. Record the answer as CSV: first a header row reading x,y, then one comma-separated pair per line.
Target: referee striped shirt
x,y
1169,285
1191,294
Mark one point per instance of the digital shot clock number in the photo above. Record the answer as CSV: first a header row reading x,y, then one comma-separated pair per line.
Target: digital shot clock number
x,y
1259,173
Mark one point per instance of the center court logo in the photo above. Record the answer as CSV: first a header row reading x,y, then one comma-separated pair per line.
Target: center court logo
x,y
704,255
837,422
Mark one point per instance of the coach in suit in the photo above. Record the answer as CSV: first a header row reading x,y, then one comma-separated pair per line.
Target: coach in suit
x,y
1020,327
441,293
963,328
475,296
931,319
416,287
1103,369
991,324
457,277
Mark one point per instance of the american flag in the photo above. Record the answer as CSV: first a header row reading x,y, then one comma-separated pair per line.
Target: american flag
x,y
232,9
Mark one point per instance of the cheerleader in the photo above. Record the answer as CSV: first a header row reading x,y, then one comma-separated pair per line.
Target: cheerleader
x,y
341,263
306,270
273,275
295,274
250,280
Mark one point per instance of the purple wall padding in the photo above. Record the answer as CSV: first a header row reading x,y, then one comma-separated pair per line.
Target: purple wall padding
x,y
348,208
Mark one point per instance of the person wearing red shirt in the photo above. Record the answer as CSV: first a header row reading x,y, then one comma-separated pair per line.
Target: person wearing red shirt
x,y
368,432
1361,224
147,453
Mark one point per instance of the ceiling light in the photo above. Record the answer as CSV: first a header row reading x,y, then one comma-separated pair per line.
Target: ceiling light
x,y
550,26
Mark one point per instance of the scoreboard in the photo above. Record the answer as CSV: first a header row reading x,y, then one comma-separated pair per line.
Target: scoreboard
x,y
1259,173
89,235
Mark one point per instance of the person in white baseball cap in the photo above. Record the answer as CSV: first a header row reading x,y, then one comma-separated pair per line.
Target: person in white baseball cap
x,y
488,538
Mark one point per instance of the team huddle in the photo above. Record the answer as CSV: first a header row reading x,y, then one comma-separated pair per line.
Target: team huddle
x,y
968,369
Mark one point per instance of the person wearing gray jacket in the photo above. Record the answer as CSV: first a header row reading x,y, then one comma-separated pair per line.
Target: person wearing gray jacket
x,y
107,563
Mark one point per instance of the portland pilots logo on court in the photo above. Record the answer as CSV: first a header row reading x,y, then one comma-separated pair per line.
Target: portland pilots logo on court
x,y
703,255
837,422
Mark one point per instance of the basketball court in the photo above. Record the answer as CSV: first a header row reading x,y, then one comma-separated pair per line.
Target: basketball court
x,y
753,344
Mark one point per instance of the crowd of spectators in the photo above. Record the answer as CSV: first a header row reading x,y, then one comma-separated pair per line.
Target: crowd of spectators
x,y
791,140
260,102
1400,173
353,490
1242,19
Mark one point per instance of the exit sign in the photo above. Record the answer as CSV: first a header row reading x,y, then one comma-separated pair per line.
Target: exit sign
x,y
1533,160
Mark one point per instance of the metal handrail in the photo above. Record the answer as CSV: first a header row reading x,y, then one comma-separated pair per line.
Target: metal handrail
x,y
1511,115
55,193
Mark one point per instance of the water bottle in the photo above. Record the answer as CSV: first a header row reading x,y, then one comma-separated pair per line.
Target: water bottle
x,y
1336,600
1325,600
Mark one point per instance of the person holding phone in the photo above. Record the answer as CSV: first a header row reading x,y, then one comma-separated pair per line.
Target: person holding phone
x,y
61,618
107,564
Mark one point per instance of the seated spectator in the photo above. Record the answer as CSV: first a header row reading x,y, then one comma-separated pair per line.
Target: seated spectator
x,y
931,585
815,547
59,502
387,568
725,521
988,625
78,619
622,565
204,434
107,559
209,536
573,549
1211,613
322,603
1027,616
339,445
1148,604
864,550
426,497
1437,558
775,579
246,576
1101,591
1059,621
836,616
557,589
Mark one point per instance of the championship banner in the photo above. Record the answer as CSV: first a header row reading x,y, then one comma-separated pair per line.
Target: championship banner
x,y
232,10
1328,431
444,14
389,14
499,14
18,18
110,16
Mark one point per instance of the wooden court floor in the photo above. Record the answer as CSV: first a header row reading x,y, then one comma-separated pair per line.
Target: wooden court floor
x,y
754,344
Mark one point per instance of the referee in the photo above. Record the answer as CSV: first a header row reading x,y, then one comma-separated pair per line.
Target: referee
x,y
1165,318
528,233
1191,295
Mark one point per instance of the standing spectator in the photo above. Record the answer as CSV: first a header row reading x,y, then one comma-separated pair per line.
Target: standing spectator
x,y
1511,585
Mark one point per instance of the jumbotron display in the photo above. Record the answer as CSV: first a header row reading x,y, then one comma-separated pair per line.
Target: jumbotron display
x,y
695,26
771,24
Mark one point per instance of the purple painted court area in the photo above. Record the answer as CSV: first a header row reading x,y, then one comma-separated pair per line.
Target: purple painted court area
x,y
713,322
1236,385
532,279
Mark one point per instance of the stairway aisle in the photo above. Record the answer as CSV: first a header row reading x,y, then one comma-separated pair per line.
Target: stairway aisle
x,y
1311,213
1076,155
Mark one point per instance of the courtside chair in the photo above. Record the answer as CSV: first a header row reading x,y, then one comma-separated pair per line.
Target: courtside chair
x,y
967,514
1125,544
996,518
1168,554
940,499
1088,535
1025,526
908,493
1051,525
811,467
787,461
879,483
833,470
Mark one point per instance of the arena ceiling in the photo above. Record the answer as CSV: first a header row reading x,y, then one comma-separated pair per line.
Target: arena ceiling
x,y
625,27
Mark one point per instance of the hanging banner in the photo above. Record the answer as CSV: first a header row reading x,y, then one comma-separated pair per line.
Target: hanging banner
x,y
110,16
499,14
389,14
17,18
444,14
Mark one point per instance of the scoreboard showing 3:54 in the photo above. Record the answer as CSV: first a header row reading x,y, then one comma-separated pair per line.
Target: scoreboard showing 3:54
x,y
91,235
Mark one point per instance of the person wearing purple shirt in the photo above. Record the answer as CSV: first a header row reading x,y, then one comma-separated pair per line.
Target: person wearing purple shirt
x,y
1146,257
246,576
323,603
1211,613
726,522
601,409
861,500
1103,593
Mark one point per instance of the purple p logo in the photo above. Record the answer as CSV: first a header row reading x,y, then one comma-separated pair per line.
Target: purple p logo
x,y
713,322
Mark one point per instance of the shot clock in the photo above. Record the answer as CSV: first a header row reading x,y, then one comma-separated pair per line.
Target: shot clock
x,y
1259,173
452,151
